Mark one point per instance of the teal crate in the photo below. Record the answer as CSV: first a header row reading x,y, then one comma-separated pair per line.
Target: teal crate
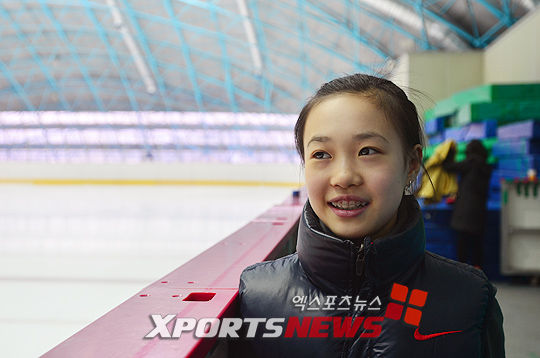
x,y
502,111
484,94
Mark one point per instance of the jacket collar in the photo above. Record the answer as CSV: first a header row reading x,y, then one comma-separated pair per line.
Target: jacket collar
x,y
335,265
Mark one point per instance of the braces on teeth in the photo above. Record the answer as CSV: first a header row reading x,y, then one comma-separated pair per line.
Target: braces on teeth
x,y
348,205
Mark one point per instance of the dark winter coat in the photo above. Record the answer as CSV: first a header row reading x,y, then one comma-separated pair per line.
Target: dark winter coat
x,y
459,297
469,213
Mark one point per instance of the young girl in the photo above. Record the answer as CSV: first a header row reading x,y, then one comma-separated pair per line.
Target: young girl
x,y
361,283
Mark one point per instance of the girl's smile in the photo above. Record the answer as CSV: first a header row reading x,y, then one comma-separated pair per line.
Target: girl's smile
x,y
348,205
355,166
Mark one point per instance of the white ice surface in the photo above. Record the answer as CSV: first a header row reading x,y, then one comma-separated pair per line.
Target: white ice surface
x,y
69,254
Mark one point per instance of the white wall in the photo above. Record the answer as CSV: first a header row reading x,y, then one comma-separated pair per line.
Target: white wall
x,y
438,75
513,58
515,55
442,74
400,72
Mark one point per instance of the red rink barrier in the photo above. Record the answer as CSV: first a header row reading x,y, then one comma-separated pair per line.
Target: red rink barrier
x,y
206,286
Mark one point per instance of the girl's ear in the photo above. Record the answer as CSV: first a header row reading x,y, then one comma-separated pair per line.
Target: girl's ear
x,y
415,161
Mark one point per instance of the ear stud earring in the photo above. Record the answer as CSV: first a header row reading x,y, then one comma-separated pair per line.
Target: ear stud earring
x,y
408,188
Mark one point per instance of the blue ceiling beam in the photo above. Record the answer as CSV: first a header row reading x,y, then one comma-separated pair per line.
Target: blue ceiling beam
x,y
387,23
40,86
248,95
496,12
303,53
65,3
202,31
446,6
507,10
175,67
235,16
485,39
102,78
226,64
215,35
419,7
113,56
473,18
215,81
271,69
372,45
242,93
459,31
268,85
19,90
196,29
149,56
429,3
45,32
211,6
22,60
203,4
352,17
241,66
225,40
186,54
74,54
330,51
35,56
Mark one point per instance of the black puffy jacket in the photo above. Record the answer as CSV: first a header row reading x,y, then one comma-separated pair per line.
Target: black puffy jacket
x,y
469,213
459,297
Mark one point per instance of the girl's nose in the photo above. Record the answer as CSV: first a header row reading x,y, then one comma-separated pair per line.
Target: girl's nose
x,y
345,175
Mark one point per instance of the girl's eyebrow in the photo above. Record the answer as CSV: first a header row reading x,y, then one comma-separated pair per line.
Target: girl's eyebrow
x,y
321,139
367,135
357,137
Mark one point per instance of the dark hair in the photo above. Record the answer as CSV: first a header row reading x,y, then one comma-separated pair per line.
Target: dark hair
x,y
384,94
476,148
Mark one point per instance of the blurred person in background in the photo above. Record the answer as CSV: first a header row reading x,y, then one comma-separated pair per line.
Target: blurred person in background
x,y
469,213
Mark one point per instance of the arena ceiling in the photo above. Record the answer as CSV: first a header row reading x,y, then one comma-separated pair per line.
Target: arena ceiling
x,y
228,55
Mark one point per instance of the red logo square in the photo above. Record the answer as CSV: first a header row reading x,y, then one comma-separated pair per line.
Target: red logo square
x,y
399,292
393,311
412,316
418,298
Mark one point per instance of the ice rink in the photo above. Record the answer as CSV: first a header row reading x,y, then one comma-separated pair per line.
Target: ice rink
x,y
69,254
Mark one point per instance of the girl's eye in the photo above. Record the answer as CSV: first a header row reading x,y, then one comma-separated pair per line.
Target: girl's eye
x,y
321,155
367,151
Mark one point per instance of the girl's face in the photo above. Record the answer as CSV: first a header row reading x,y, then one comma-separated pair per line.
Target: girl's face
x,y
354,166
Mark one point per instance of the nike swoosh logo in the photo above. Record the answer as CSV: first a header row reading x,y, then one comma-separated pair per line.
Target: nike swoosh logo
x,y
425,337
